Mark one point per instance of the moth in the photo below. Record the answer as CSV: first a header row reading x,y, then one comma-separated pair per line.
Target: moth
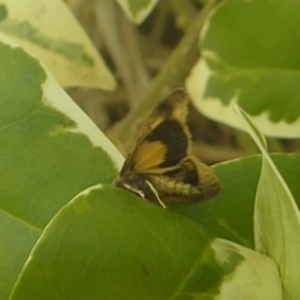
x,y
161,167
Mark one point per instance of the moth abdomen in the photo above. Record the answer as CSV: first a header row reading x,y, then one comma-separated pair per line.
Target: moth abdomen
x,y
168,186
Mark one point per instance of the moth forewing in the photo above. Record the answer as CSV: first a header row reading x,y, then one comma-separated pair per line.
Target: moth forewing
x,y
173,106
164,138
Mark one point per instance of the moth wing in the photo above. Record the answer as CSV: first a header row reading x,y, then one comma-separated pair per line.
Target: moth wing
x,y
208,181
164,139
173,106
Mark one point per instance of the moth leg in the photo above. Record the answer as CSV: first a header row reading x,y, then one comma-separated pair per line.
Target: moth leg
x,y
133,190
154,191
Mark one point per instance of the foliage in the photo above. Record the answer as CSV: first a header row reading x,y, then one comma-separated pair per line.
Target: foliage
x,y
67,233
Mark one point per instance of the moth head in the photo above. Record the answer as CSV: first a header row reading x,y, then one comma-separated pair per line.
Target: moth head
x,y
131,182
139,185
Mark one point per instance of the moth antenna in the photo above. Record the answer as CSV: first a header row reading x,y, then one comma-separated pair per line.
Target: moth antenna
x,y
156,194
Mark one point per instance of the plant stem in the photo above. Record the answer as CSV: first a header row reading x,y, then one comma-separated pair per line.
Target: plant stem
x,y
175,70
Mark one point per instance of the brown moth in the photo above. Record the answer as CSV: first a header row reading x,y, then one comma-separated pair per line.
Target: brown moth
x,y
161,168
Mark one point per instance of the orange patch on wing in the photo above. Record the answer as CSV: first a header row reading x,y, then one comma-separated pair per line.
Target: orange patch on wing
x,y
149,155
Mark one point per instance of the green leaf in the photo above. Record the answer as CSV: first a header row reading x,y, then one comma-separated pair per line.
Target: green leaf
x,y
108,244
230,214
276,218
249,55
105,245
48,30
50,152
137,10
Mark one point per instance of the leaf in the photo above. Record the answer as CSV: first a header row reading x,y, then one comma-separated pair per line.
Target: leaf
x,y
50,152
230,214
108,244
249,55
255,276
49,31
137,10
276,218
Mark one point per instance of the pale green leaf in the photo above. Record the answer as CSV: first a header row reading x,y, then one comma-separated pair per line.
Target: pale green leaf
x,y
48,30
276,218
255,276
